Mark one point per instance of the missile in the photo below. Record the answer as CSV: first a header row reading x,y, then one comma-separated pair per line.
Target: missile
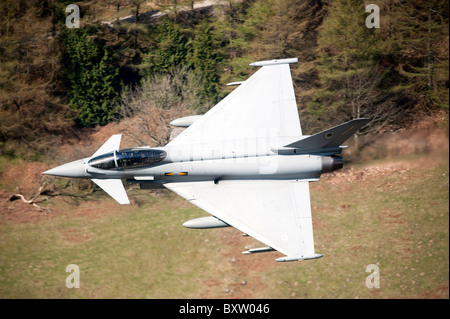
x,y
274,62
205,223
298,258
185,121
258,250
235,83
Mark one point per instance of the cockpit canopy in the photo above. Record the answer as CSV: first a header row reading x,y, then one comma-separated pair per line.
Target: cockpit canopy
x,y
128,158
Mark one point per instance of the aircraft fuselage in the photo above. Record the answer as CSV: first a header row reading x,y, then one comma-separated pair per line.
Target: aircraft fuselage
x,y
272,166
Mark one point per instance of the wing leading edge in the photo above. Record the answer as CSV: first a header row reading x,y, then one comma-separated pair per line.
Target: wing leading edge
x,y
263,104
275,212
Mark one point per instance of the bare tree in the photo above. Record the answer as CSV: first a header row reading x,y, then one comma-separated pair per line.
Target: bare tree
x,y
148,110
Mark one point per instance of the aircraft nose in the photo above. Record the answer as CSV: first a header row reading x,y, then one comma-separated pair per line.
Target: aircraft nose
x,y
72,169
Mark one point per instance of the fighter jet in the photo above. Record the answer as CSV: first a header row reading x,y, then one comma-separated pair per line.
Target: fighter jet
x,y
245,162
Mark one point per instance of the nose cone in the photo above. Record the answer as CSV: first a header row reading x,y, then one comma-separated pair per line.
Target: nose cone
x,y
72,169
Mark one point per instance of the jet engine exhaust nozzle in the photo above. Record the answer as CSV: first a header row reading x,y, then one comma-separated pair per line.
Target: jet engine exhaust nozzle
x,y
331,163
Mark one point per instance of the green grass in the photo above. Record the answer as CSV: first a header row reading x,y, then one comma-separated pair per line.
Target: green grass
x,y
140,252
398,221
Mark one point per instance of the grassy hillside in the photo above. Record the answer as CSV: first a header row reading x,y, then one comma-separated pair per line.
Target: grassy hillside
x,y
393,213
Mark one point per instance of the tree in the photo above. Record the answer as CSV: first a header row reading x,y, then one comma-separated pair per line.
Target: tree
x,y
349,68
31,107
418,35
204,57
137,6
148,109
91,78
169,51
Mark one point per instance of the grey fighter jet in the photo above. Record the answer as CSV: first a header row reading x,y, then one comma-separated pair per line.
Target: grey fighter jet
x,y
245,162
